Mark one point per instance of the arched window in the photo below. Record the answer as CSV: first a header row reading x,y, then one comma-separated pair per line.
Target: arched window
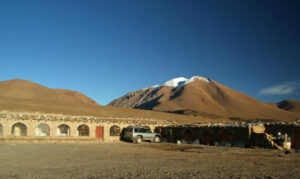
x,y
206,137
63,130
42,129
83,130
19,129
188,136
227,135
114,130
1,130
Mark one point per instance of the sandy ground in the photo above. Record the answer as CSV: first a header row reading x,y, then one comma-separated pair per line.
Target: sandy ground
x,y
126,160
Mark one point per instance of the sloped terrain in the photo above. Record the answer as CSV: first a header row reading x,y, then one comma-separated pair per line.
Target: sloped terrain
x,y
26,96
201,97
289,105
23,89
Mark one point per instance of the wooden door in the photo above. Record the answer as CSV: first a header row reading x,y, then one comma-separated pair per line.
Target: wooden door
x,y
99,132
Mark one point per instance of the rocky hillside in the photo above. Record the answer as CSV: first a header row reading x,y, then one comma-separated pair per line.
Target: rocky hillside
x,y
201,96
25,96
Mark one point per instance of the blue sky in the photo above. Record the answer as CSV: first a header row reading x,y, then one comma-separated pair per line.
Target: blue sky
x,y
108,48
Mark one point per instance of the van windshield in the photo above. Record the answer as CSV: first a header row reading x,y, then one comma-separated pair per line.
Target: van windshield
x,y
144,130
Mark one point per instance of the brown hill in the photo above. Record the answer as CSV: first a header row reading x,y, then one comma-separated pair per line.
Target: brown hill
x,y
24,89
289,105
204,98
26,96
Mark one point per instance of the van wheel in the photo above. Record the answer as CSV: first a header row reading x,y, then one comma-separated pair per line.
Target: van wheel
x,y
138,140
157,139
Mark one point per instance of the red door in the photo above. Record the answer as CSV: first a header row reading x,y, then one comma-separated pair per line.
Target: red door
x,y
99,132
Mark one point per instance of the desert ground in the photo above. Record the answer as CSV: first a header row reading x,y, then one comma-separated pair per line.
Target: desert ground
x,y
147,160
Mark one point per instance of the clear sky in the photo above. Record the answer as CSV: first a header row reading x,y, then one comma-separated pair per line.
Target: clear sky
x,y
108,48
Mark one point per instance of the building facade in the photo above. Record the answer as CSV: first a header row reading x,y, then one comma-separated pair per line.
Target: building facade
x,y
35,126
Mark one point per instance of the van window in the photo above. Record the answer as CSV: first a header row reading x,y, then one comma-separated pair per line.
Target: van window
x,y
138,130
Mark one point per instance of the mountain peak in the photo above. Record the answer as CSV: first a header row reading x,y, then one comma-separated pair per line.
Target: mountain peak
x,y
19,83
180,81
175,82
12,81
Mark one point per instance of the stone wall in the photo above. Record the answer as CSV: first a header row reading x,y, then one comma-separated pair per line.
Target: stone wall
x,y
207,135
32,120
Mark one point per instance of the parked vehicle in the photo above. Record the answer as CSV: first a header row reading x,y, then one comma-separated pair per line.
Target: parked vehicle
x,y
138,134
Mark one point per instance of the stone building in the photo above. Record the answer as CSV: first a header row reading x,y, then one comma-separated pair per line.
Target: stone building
x,y
230,134
54,127
40,127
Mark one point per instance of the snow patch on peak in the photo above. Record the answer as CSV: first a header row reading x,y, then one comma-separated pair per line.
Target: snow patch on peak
x,y
180,81
175,82
192,79
155,86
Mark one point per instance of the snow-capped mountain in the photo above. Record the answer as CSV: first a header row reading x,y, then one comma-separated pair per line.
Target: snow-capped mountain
x,y
180,81
201,96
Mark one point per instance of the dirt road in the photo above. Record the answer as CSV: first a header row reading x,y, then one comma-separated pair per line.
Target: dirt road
x,y
125,160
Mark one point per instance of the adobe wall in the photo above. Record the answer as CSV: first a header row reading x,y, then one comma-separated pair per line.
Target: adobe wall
x,y
32,120
242,136
203,134
209,135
